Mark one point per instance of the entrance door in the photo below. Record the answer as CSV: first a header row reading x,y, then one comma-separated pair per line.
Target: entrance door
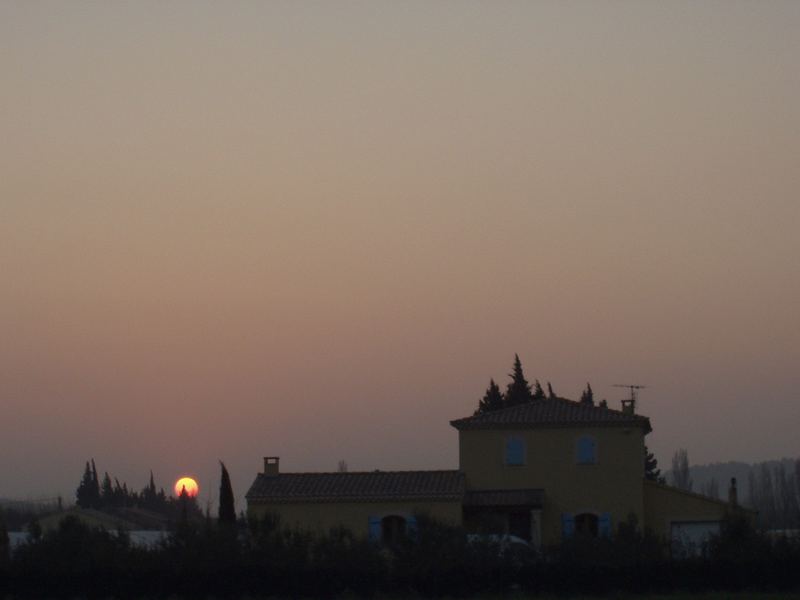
x,y
519,524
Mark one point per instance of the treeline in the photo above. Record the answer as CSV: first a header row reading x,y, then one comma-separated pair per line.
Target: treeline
x,y
217,558
774,491
772,487
520,391
107,495
16,514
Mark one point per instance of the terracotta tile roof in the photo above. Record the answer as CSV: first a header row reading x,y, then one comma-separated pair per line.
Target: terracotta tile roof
x,y
552,412
372,486
489,498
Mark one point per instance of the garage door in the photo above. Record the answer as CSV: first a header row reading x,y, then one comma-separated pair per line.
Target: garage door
x,y
690,538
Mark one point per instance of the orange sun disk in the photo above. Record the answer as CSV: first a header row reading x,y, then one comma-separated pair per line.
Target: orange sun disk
x,y
190,484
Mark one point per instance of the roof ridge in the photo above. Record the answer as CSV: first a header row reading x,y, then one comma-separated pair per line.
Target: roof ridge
x,y
374,472
552,412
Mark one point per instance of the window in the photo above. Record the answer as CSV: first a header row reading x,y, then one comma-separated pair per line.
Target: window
x,y
390,529
515,451
586,524
586,450
393,529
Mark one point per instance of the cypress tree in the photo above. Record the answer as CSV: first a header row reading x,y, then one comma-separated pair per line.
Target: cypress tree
x,y
518,390
107,491
84,492
651,470
550,393
95,488
227,512
492,399
538,392
587,397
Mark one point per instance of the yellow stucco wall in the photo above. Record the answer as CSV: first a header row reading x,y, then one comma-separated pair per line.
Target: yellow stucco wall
x,y
613,485
322,516
664,504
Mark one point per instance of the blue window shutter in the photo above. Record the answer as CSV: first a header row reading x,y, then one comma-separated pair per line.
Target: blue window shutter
x,y
567,525
604,525
515,451
411,528
374,529
586,451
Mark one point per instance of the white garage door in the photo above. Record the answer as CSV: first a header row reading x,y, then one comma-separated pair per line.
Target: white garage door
x,y
689,538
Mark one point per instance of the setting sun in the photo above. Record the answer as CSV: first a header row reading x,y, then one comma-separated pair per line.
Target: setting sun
x,y
190,484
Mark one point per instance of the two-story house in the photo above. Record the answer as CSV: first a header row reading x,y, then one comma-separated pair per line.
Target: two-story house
x,y
542,471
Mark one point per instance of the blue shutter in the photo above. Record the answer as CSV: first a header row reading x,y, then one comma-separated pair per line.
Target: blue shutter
x,y
374,529
411,528
567,525
515,451
586,451
604,525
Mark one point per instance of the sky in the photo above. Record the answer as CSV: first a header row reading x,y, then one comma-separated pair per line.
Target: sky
x,y
316,230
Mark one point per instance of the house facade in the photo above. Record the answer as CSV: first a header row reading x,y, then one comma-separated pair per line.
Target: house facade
x,y
543,471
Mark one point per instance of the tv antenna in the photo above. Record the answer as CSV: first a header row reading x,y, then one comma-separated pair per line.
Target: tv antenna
x,y
629,404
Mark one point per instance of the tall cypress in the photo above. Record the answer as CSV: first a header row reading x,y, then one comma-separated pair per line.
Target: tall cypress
x,y
95,488
518,390
227,512
84,492
107,491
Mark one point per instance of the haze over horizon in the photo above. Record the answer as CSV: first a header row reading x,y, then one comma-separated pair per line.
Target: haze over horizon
x,y
317,230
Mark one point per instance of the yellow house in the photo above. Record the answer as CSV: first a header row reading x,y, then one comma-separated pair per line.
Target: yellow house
x,y
542,471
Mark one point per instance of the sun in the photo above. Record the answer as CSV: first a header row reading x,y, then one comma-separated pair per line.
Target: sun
x,y
190,484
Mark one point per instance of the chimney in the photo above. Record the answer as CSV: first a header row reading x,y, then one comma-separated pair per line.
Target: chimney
x,y
271,466
733,495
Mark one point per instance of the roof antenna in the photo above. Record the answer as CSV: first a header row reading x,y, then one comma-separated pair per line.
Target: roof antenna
x,y
629,404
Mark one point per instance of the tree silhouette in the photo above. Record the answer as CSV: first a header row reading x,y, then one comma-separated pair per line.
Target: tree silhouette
x,y
550,393
84,493
587,397
538,392
680,471
107,491
518,390
96,501
651,470
492,399
227,512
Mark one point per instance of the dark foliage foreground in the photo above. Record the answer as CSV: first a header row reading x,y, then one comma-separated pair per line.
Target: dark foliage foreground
x,y
219,561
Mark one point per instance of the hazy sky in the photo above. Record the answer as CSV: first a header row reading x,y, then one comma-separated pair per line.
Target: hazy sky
x,y
316,230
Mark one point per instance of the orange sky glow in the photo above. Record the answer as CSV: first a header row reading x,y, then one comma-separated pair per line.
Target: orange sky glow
x,y
315,231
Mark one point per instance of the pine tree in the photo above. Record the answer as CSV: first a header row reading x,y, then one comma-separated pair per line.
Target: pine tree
x,y
518,390
492,399
538,392
587,397
227,512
